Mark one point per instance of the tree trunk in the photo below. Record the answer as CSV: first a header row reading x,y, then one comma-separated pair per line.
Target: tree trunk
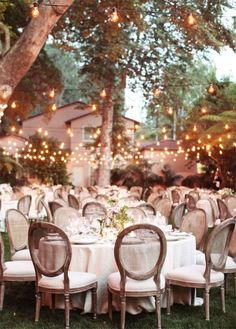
x,y
104,169
16,63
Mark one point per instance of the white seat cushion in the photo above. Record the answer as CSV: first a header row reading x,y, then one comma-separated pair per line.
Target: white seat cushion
x,y
193,274
134,285
21,255
230,263
16,269
77,280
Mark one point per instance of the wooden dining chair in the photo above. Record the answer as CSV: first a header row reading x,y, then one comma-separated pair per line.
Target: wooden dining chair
x,y
17,226
230,202
190,202
195,222
210,274
147,208
94,208
51,254
140,251
73,202
164,206
24,204
53,206
102,198
136,214
223,210
230,265
177,214
47,210
175,196
13,271
63,216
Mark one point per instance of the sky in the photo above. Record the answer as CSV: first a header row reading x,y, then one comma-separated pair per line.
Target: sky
x,y
225,64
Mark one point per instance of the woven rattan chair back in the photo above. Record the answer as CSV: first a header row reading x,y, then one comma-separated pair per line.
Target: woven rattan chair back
x,y
148,209
164,206
94,209
175,196
136,214
73,201
223,210
17,227
24,204
53,206
177,215
230,202
63,216
217,247
190,202
195,222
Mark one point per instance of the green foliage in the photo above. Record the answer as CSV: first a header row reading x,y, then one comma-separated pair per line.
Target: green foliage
x,y
47,162
9,167
122,218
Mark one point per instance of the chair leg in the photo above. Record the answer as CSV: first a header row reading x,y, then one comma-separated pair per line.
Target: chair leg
x,y
168,290
158,309
222,294
122,312
109,303
94,302
235,284
38,306
67,311
206,302
2,291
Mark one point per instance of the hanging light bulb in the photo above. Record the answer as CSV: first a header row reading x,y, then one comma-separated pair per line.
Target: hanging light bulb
x,y
52,93
94,107
191,20
226,126
211,89
194,128
35,10
204,110
54,107
13,105
170,110
114,15
103,93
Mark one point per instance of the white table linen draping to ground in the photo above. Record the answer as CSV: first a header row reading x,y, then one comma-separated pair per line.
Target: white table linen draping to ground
x,y
99,259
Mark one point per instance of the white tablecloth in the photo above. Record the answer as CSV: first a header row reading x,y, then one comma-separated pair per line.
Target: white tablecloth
x,y
99,259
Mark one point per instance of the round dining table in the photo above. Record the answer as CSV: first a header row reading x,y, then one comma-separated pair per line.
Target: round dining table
x,y
98,258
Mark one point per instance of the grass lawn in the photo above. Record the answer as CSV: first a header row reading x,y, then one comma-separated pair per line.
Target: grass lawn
x,y
19,307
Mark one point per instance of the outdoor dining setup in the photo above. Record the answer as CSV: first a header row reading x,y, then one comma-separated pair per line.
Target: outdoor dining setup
x,y
109,249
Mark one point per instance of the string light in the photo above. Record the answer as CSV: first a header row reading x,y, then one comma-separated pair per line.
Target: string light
x,y
54,107
51,93
211,89
13,105
103,93
170,110
114,16
94,107
191,20
204,110
35,10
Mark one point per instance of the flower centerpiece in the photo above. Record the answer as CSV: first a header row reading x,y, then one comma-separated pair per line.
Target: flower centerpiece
x,y
121,218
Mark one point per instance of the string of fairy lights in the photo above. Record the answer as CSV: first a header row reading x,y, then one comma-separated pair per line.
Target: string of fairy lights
x,y
88,154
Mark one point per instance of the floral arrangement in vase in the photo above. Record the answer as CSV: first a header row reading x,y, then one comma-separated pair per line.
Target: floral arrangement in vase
x,y
121,218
